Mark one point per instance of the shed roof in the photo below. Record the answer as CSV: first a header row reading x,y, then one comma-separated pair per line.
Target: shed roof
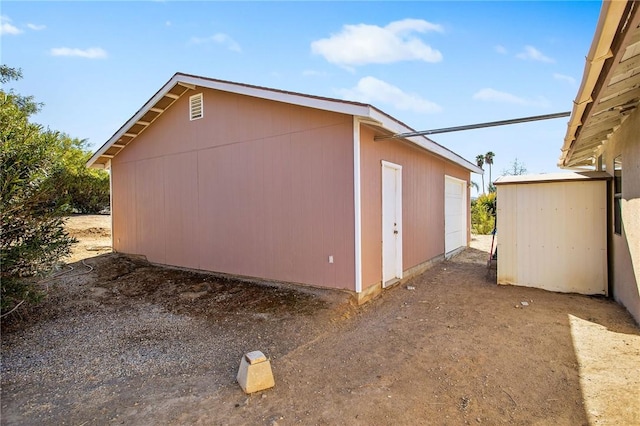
x,y
180,84
552,177
610,88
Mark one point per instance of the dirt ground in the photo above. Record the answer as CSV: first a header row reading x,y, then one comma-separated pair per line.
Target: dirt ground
x,y
120,341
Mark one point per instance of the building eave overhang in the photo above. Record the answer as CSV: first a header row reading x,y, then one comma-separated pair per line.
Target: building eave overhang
x,y
181,84
610,87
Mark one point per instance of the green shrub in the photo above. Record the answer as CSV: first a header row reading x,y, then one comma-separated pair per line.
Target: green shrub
x,y
85,190
33,238
483,214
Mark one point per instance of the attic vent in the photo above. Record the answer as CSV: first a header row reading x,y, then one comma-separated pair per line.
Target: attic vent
x,y
196,110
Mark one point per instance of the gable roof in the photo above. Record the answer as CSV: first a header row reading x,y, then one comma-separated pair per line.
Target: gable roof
x,y
181,83
610,88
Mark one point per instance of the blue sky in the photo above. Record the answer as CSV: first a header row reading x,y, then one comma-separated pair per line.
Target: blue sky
x,y
429,64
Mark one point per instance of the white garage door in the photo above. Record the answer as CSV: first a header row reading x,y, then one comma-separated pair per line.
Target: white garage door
x,y
455,214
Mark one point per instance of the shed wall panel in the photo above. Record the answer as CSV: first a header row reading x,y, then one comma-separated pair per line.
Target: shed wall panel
x,y
150,212
181,209
123,208
255,188
553,236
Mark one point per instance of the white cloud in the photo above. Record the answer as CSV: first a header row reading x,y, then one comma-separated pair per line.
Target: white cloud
x,y
167,24
373,91
90,53
566,78
492,95
36,27
370,44
500,49
219,38
531,53
6,27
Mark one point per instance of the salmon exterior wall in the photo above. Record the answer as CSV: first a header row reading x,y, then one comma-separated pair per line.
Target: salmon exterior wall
x,y
256,188
422,203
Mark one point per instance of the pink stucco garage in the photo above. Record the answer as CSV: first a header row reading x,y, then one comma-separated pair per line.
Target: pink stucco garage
x,y
262,183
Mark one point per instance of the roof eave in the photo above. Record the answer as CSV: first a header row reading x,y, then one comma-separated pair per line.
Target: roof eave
x,y
122,131
363,111
609,44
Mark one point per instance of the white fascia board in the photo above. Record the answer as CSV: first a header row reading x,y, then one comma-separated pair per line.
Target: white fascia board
x,y
356,110
422,141
364,111
132,121
274,95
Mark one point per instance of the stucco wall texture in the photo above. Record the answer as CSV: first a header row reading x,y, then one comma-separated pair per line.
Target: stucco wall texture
x,y
625,142
255,188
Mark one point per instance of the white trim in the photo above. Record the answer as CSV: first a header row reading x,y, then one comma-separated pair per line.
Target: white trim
x,y
398,205
359,110
124,130
422,141
357,204
464,183
279,96
111,201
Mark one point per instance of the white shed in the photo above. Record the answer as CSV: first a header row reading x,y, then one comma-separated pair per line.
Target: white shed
x,y
552,231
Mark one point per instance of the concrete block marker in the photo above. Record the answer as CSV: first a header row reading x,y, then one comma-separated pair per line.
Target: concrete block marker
x,y
255,372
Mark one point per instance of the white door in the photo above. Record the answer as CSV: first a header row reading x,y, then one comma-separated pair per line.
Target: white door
x,y
455,214
391,223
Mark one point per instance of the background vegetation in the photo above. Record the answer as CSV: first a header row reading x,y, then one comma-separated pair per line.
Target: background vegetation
x,y
483,214
43,178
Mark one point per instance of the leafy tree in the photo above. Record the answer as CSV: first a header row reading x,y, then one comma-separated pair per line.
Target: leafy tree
x,y
483,214
33,238
480,163
86,190
515,169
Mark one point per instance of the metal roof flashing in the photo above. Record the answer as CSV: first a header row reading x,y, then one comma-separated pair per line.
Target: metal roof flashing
x,y
552,178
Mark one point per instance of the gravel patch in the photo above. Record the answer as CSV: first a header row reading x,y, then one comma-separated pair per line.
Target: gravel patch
x,y
117,333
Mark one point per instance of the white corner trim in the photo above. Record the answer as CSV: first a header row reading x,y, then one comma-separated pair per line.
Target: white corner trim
x,y
357,204
111,203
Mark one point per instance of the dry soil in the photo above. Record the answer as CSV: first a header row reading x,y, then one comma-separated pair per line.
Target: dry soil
x,y
120,341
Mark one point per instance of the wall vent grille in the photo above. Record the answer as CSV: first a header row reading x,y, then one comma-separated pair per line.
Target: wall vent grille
x,y
196,109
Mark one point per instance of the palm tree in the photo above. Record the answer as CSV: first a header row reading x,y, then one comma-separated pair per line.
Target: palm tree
x,y
488,158
480,163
